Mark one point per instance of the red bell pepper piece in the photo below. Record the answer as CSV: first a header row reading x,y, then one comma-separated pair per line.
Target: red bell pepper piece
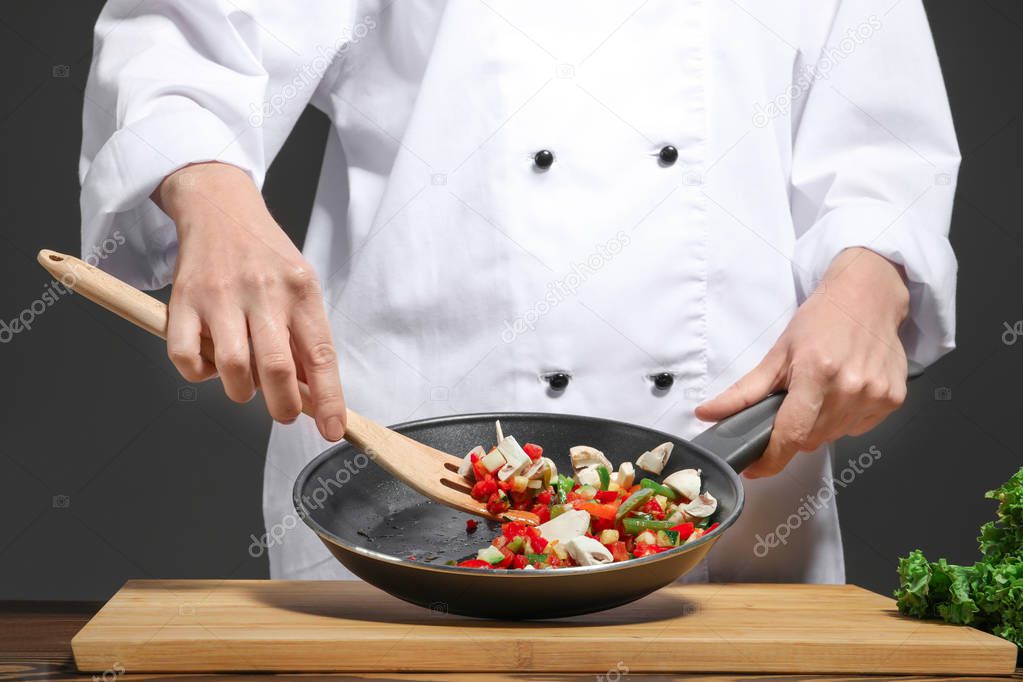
x,y
606,496
520,561
471,525
475,563
654,509
533,450
710,528
684,530
544,497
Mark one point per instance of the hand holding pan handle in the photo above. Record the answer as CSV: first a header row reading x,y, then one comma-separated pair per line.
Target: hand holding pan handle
x,y
742,438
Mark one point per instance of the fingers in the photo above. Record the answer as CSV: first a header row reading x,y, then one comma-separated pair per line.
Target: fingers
x,y
183,338
750,389
232,355
275,367
315,352
794,425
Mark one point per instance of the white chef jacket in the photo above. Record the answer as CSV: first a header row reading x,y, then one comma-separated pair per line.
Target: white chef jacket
x,y
457,274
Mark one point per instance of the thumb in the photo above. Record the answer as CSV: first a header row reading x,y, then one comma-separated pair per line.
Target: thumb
x,y
750,389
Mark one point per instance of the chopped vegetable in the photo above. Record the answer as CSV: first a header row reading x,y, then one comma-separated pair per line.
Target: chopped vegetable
x,y
634,500
594,518
685,482
654,460
659,489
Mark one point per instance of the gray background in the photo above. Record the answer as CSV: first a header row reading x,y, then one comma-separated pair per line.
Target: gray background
x,y
157,486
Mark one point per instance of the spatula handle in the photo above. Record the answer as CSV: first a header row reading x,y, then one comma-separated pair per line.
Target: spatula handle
x,y
148,313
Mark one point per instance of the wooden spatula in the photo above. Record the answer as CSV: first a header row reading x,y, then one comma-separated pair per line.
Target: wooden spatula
x,y
431,472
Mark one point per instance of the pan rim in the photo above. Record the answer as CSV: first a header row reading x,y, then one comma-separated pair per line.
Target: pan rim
x,y
328,537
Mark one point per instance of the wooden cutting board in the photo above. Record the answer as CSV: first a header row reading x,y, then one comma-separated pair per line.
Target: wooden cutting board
x,y
259,625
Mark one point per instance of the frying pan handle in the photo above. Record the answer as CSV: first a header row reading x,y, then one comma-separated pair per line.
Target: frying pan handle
x,y
740,439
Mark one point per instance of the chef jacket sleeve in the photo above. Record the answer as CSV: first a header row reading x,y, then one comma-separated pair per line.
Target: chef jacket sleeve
x,y
174,83
875,160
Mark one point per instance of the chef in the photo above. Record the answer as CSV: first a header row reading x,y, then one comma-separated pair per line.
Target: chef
x,y
657,212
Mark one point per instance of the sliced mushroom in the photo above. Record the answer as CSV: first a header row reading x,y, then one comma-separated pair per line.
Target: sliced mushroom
x,y
563,528
588,552
535,469
686,483
588,476
465,468
702,507
512,469
500,433
512,451
654,460
584,456
626,475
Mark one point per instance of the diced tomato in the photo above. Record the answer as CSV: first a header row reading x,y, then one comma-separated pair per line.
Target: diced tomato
x,y
504,485
600,511
602,524
484,488
513,529
544,497
543,511
520,561
509,557
475,563
533,450
684,530
499,542
471,525
535,539
606,496
497,503
618,551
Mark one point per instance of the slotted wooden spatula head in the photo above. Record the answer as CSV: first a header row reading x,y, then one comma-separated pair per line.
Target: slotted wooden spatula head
x,y
431,472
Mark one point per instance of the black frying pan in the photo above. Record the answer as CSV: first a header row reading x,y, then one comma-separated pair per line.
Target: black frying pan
x,y
396,539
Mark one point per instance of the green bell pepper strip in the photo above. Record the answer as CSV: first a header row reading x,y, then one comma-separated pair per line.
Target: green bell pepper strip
x,y
633,501
564,487
636,526
605,477
659,489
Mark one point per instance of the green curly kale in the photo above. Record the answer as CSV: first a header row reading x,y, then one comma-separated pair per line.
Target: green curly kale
x,y
987,595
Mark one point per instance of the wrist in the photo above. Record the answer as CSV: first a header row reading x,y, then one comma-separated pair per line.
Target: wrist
x,y
192,187
869,282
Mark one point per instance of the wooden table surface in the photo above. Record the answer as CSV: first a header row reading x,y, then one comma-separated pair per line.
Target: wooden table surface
x,y
35,642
